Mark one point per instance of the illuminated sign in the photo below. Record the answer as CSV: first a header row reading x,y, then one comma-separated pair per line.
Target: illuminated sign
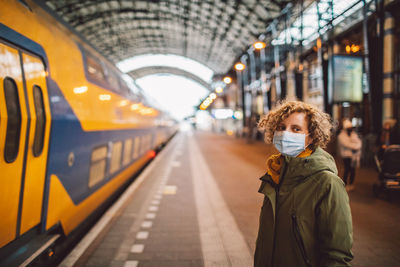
x,y
345,78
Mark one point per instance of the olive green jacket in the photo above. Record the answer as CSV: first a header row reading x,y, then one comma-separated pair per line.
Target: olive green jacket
x,y
306,219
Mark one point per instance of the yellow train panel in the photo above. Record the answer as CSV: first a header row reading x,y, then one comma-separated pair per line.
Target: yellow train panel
x,y
35,75
11,172
62,209
96,108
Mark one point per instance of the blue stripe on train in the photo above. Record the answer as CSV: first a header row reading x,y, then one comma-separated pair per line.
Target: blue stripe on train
x,y
68,136
66,132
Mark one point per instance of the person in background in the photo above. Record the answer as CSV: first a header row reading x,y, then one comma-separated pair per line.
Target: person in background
x,y
305,218
350,151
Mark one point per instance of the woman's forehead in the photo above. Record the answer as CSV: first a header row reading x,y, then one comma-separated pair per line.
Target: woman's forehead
x,y
299,117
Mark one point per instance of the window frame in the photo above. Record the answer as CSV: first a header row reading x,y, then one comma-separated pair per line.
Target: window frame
x,y
11,158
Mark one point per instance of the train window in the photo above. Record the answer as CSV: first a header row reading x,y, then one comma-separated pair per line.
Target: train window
x,y
115,162
113,81
98,165
40,120
160,138
11,146
147,142
127,152
136,147
95,69
143,144
150,141
124,88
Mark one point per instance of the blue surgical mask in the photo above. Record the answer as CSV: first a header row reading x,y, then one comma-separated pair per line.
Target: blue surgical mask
x,y
288,143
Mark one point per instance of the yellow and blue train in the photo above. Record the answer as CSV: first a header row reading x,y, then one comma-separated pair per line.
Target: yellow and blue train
x,y
73,131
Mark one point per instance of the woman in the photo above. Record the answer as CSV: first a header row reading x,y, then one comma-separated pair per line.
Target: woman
x,y
305,219
350,151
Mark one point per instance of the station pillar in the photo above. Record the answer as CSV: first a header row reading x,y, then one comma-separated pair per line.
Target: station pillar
x,y
290,77
388,66
333,50
305,80
273,89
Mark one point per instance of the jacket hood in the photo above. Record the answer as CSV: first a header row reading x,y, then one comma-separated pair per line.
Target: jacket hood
x,y
300,168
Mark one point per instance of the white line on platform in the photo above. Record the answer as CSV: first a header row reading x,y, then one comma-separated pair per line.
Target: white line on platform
x,y
137,248
142,235
222,243
158,196
131,264
176,164
150,216
170,190
147,224
88,239
155,202
153,208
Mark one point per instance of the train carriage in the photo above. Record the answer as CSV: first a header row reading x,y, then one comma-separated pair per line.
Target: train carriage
x,y
72,129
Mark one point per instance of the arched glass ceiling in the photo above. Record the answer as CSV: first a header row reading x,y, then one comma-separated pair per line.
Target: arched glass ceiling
x,y
340,9
213,32
172,61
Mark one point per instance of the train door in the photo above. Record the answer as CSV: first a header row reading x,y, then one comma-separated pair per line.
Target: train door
x,y
24,136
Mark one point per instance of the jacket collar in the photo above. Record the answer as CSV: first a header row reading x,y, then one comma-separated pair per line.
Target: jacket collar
x,y
297,170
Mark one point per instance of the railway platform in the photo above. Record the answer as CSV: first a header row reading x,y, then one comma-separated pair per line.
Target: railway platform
x,y
197,204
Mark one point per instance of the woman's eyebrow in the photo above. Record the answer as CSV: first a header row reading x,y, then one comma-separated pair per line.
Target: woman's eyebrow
x,y
295,125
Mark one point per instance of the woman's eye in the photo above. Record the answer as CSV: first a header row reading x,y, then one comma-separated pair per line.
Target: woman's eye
x,y
296,129
281,128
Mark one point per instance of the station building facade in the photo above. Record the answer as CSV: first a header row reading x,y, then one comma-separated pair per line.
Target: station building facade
x,y
349,67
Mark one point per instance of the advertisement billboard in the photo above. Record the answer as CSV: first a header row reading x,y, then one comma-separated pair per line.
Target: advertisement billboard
x,y
345,78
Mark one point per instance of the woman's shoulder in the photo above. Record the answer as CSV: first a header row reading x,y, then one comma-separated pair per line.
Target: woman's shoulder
x,y
354,135
320,160
327,176
343,135
329,181
325,168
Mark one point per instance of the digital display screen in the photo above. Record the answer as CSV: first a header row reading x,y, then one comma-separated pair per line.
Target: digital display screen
x,y
345,78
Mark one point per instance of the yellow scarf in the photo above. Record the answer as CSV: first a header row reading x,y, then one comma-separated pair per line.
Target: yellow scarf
x,y
274,164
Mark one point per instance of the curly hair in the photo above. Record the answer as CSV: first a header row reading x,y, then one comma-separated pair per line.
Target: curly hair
x,y
319,122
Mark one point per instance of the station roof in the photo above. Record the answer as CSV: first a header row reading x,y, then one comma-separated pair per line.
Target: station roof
x,y
212,32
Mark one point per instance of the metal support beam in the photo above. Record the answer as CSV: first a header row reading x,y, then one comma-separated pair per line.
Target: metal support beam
x,y
252,65
319,56
367,77
277,66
